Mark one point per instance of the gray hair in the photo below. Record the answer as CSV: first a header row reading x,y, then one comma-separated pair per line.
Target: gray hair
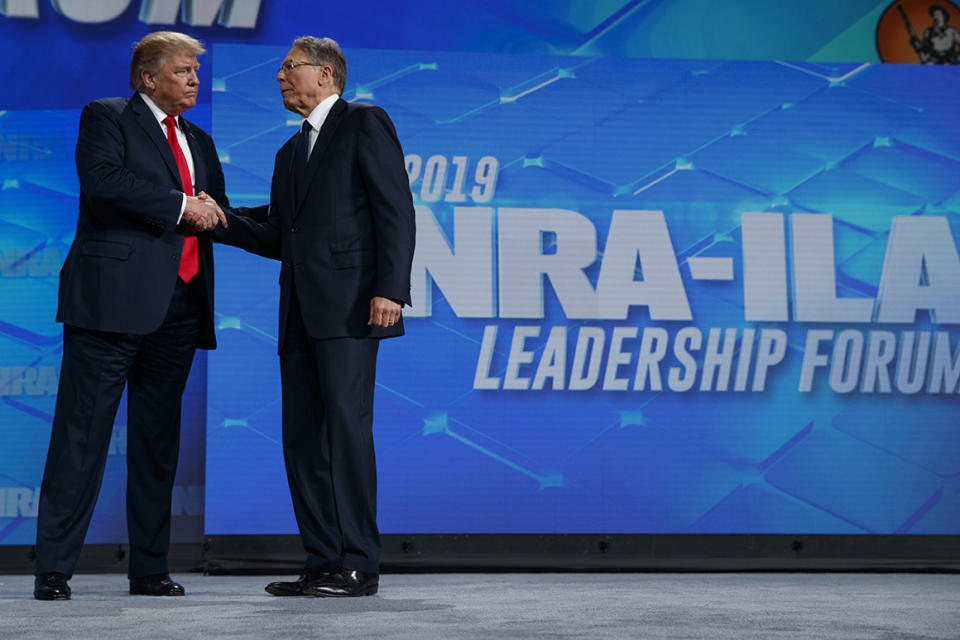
x,y
151,53
325,51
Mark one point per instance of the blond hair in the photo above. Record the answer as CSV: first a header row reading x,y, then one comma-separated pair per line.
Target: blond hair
x,y
151,53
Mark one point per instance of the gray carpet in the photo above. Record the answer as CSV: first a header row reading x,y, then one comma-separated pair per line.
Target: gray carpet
x,y
504,606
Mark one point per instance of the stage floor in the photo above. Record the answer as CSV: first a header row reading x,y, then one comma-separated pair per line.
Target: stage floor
x,y
442,606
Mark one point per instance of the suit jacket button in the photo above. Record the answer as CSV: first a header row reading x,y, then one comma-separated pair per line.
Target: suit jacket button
x,y
295,230
175,256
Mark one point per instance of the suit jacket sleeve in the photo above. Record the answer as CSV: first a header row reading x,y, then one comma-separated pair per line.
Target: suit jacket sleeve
x,y
252,229
388,189
106,181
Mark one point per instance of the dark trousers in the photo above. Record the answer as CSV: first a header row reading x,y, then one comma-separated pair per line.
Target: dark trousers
x,y
328,445
96,366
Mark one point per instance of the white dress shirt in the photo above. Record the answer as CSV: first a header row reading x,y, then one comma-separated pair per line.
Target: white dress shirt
x,y
181,139
316,119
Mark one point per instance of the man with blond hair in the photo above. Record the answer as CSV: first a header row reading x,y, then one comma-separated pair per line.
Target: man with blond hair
x,y
136,301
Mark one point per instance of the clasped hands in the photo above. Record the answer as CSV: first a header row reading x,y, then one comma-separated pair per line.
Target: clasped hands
x,y
202,213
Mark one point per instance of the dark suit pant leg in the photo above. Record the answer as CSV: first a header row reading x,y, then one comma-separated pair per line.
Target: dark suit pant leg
x,y
306,457
156,383
93,372
347,371
328,447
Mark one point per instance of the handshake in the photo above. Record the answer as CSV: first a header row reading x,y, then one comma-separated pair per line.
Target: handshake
x,y
202,214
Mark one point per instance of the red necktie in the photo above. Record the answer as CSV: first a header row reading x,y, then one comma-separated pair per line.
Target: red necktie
x,y
189,263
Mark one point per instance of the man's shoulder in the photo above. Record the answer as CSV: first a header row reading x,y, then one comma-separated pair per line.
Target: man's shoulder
x,y
105,112
365,114
115,105
363,108
359,106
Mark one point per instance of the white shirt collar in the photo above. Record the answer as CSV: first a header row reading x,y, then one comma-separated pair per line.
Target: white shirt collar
x,y
319,113
157,111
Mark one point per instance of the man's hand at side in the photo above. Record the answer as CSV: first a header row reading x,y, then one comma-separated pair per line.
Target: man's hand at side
x,y
384,312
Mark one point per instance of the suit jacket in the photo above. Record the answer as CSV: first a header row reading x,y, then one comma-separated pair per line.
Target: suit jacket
x,y
351,234
120,273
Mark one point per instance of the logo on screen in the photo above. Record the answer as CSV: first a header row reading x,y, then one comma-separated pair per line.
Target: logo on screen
x,y
19,502
228,13
919,32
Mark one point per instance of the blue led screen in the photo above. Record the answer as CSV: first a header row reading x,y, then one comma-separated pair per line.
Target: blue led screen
x,y
542,259
650,296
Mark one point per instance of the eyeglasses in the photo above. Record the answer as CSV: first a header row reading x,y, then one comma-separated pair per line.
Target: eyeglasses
x,y
290,65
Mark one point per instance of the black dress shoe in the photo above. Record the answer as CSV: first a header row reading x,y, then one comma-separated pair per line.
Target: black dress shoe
x,y
51,586
307,578
158,584
345,583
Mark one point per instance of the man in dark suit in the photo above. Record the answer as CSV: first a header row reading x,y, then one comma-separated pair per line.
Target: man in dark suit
x,y
341,222
136,300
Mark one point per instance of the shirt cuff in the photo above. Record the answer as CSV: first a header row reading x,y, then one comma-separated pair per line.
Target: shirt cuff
x,y
183,207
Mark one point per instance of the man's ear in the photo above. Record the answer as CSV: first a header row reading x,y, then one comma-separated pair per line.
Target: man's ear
x,y
326,75
148,80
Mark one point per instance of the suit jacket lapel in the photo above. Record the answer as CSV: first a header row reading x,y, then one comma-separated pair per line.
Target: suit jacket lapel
x,y
288,153
155,132
320,146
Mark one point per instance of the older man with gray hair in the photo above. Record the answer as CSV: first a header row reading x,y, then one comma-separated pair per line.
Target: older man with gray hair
x,y
136,301
342,224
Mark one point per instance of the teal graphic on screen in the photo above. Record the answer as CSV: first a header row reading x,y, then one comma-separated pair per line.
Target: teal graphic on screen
x,y
649,296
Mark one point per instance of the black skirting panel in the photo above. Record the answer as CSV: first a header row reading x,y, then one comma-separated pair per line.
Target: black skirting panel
x,y
474,552
102,558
